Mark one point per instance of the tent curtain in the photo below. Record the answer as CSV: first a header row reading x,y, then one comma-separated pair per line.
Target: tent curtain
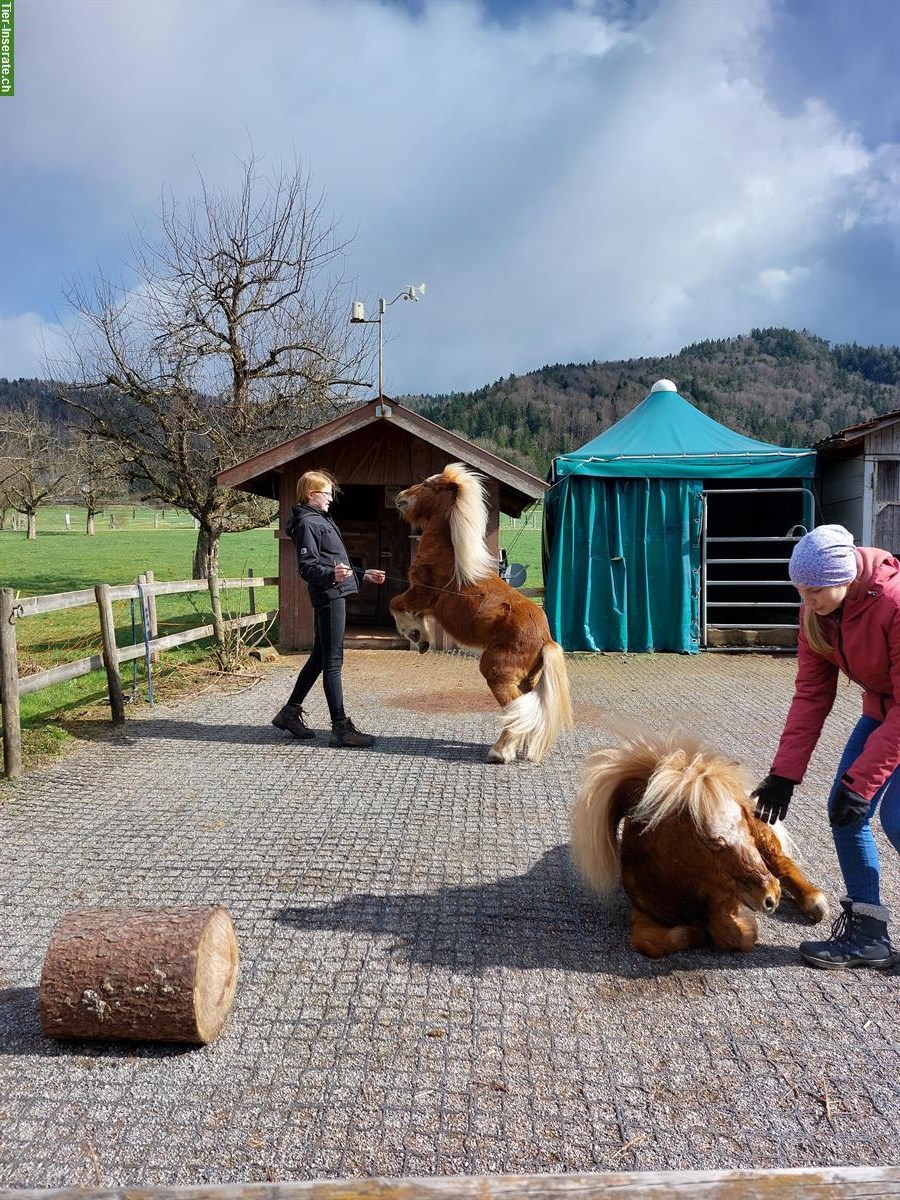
x,y
623,564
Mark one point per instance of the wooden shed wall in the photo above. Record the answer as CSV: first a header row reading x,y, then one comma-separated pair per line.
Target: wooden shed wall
x,y
380,455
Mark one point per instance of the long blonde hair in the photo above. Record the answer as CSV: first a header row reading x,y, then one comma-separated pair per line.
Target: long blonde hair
x,y
315,481
815,632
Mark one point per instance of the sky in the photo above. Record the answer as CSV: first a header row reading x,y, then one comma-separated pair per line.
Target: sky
x,y
571,179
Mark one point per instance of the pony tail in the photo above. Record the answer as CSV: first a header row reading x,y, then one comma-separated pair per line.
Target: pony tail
x,y
612,782
536,718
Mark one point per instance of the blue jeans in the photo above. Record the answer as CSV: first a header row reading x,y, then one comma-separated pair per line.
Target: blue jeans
x,y
326,659
855,845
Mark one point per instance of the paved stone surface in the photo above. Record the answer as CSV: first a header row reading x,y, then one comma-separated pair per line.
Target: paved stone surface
x,y
425,988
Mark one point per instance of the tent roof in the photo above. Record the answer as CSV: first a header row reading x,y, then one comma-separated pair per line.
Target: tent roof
x,y
667,437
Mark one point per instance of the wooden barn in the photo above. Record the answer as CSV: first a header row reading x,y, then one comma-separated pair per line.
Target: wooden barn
x,y
858,473
374,451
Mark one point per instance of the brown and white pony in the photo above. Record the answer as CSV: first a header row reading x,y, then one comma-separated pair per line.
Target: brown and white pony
x,y
454,582
694,861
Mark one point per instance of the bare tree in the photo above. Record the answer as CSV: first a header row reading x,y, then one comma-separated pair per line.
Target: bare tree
x,y
234,338
95,471
33,465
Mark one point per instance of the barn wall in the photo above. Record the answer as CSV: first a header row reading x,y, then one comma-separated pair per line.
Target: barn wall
x,y
841,488
883,452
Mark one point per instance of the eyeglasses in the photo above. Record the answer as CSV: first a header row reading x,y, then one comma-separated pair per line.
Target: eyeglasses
x,y
330,495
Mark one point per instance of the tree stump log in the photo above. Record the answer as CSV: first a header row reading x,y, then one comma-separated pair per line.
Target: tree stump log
x,y
157,974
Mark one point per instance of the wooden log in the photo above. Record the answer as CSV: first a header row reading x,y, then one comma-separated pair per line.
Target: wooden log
x,y
158,974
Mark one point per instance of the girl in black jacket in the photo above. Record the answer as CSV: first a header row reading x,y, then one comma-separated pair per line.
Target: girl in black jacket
x,y
322,563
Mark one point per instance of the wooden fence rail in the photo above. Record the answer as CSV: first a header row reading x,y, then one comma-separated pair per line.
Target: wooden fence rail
x,y
12,610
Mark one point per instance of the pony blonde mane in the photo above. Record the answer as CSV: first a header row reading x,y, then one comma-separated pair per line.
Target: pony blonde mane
x,y
650,777
468,525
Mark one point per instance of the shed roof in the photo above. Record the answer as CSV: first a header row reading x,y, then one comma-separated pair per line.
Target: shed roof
x,y
259,474
667,437
852,436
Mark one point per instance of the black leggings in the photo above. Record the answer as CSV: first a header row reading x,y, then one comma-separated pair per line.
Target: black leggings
x,y
326,659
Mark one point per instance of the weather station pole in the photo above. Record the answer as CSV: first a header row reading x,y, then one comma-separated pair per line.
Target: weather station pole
x,y
358,317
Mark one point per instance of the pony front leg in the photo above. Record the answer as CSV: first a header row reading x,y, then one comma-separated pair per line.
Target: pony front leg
x,y
808,898
733,929
656,941
410,619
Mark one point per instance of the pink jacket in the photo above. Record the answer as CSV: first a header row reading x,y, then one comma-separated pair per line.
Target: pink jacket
x,y
865,635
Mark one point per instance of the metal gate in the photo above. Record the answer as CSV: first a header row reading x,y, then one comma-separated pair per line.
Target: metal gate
x,y
743,577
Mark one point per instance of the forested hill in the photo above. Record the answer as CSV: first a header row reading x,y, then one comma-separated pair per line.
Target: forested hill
x,y
776,385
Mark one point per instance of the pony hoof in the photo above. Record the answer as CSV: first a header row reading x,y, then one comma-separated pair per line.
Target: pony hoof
x,y
500,756
816,910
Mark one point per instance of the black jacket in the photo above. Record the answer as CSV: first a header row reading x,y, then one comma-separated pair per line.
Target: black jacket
x,y
319,548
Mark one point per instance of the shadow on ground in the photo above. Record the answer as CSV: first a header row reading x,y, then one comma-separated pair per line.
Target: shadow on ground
x,y
542,919
21,1034
261,735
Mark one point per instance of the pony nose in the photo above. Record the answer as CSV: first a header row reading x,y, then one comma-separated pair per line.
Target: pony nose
x,y
770,904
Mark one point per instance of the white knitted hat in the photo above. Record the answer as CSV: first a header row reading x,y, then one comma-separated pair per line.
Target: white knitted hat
x,y
824,557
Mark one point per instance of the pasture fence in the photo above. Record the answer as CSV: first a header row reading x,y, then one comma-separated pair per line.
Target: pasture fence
x,y
14,609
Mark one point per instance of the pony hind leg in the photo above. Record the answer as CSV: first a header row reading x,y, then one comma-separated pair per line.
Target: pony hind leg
x,y
656,941
809,899
506,691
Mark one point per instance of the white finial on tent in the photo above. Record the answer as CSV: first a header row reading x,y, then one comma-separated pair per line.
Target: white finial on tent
x,y
664,385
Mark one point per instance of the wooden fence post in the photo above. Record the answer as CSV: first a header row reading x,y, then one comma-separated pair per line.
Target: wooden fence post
x,y
218,623
9,687
251,596
110,653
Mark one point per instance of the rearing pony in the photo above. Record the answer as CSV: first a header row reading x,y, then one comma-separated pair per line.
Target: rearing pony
x,y
675,822
454,581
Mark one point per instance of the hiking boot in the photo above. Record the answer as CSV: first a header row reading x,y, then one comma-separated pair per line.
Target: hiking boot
x,y
859,938
345,733
292,720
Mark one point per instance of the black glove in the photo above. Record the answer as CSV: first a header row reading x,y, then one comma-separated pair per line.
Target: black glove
x,y
846,807
773,796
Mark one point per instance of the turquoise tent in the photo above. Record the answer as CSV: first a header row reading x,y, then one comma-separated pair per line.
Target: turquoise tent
x,y
623,523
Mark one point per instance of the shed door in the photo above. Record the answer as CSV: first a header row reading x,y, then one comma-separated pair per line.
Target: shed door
x,y
363,544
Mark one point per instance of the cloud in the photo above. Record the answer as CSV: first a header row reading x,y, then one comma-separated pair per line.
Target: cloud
x,y
27,343
571,184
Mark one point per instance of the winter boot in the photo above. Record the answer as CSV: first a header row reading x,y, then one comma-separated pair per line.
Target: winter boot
x,y
345,733
859,938
292,719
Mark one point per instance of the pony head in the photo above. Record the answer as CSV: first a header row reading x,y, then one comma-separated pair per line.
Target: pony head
x,y
455,498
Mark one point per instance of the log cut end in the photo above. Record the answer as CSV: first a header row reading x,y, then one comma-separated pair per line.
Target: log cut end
x,y
215,979
161,974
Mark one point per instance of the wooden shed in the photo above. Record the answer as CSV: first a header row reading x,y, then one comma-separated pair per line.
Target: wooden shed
x,y
858,472
374,451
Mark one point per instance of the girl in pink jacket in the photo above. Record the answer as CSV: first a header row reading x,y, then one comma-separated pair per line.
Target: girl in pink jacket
x,y
850,623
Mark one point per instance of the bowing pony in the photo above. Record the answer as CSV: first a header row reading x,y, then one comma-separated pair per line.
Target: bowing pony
x,y
454,582
675,823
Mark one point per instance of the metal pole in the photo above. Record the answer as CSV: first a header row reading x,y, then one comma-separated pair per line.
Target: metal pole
x,y
381,309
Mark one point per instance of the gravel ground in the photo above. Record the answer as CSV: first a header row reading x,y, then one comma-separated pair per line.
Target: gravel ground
x,y
425,988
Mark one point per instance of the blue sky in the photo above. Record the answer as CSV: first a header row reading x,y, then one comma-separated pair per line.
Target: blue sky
x,y
573,179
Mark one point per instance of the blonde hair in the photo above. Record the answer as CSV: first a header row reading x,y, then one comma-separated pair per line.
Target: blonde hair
x,y
315,481
815,633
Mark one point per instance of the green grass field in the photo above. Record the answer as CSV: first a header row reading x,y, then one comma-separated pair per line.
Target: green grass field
x,y
64,559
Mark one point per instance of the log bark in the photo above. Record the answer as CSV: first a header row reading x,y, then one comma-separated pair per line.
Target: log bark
x,y
161,974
